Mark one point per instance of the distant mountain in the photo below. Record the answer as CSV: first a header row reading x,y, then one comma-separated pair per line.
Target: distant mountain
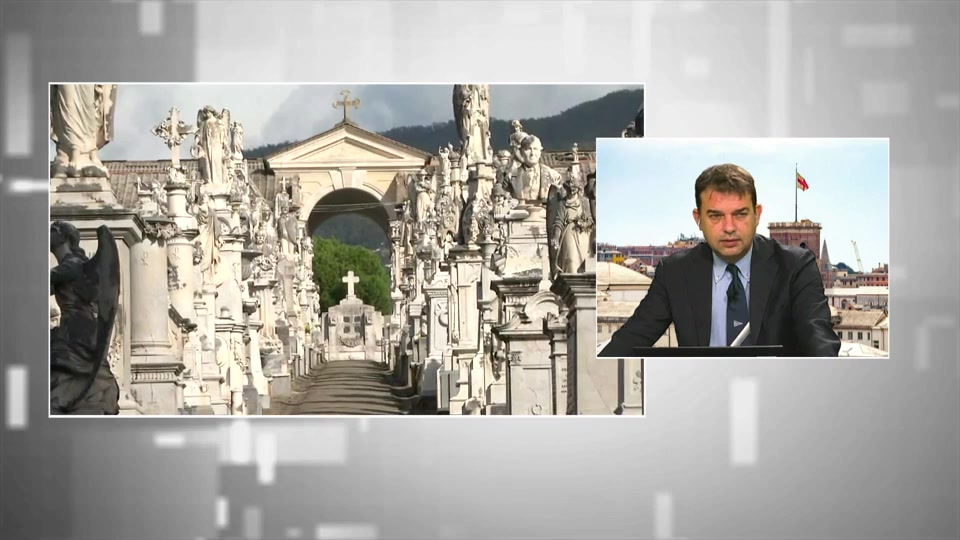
x,y
581,124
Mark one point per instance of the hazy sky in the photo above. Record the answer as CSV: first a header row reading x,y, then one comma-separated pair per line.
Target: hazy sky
x,y
274,113
645,192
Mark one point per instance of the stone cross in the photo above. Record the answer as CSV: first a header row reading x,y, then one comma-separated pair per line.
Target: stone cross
x,y
355,103
350,280
173,131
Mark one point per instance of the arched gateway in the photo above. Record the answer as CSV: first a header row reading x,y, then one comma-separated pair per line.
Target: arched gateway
x,y
345,167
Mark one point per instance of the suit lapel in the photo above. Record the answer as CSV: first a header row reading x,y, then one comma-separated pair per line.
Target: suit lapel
x,y
763,274
701,294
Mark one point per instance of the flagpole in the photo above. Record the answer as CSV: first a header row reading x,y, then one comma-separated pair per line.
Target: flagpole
x,y
796,188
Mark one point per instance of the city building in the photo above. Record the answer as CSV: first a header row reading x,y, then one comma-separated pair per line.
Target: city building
x,y
867,328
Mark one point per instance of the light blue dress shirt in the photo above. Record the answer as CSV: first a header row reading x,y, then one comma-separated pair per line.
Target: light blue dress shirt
x,y
721,281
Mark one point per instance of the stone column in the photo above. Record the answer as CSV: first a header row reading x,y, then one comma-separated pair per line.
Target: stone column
x,y
184,291
556,330
211,372
258,379
529,381
630,385
591,383
437,303
486,303
465,264
426,388
270,351
156,372
230,295
180,248
230,349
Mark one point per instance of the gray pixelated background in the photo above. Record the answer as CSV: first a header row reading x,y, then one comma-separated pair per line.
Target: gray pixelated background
x,y
852,448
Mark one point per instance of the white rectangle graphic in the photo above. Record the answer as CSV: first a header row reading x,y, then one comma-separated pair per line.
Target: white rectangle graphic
x,y
20,185
324,444
877,36
240,441
16,397
151,17
266,456
169,440
345,531
663,516
743,422
18,76
223,512
252,523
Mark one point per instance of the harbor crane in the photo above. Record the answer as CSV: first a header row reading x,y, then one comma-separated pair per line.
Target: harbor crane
x,y
857,253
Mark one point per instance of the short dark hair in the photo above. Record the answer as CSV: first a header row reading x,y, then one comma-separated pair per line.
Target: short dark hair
x,y
726,178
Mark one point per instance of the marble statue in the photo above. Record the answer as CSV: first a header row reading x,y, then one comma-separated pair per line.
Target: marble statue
x,y
236,141
445,162
209,239
517,135
81,123
532,180
635,128
569,225
212,144
425,195
590,190
87,292
287,226
306,245
289,233
471,109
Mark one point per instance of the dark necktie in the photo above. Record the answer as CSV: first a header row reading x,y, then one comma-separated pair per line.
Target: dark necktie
x,y
737,311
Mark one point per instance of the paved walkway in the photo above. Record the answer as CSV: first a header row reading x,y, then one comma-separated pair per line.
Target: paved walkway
x,y
343,387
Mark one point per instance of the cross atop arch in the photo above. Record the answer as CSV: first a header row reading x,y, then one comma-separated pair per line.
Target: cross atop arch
x,y
355,103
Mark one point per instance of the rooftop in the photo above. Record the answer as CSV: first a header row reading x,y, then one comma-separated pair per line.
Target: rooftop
x,y
617,309
854,291
610,274
859,319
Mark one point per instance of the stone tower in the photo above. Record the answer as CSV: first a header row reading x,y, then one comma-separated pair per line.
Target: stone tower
x,y
827,271
803,233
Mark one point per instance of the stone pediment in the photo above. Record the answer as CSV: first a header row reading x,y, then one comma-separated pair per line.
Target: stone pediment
x,y
347,146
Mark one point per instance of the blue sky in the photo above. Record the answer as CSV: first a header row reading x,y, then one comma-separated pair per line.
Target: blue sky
x,y
645,191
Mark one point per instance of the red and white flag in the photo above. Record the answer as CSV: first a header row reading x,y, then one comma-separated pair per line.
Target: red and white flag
x,y
802,183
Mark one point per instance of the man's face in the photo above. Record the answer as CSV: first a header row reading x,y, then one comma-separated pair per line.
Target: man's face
x,y
728,222
531,154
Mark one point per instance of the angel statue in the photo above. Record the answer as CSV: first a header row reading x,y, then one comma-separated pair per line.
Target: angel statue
x,y
87,291
211,145
81,123
471,112
569,225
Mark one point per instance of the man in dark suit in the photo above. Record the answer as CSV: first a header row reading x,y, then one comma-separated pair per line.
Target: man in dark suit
x,y
736,276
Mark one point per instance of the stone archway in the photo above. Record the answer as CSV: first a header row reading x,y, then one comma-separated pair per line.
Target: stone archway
x,y
363,200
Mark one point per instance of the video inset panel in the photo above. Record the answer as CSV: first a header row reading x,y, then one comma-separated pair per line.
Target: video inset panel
x,y
743,247
287,250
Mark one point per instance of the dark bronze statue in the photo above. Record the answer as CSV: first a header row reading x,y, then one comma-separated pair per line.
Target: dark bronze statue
x,y
87,291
